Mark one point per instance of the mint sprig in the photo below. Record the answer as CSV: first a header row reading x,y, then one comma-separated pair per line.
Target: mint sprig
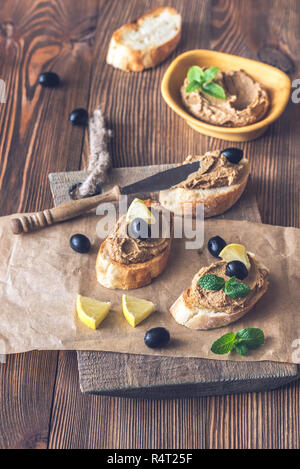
x,y
214,90
236,289
252,337
242,349
199,79
232,287
224,345
211,282
241,342
195,73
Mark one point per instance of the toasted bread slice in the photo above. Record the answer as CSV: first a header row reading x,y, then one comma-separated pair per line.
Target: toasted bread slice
x,y
216,200
186,313
146,42
112,274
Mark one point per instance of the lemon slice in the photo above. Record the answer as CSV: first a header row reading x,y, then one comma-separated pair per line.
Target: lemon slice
x,y
235,252
136,310
138,209
90,311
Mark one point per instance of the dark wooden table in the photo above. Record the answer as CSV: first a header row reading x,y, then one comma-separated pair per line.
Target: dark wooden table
x,y
41,405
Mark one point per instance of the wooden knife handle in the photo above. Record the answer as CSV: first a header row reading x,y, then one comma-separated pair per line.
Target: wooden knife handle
x,y
66,211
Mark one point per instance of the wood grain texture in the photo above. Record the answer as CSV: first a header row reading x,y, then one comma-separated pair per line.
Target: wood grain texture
x,y
37,36
249,420
71,37
26,393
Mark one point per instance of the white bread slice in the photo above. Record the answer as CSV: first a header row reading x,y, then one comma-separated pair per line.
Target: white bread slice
x,y
202,318
146,42
216,200
112,274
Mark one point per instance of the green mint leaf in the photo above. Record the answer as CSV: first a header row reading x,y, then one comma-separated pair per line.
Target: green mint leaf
x,y
211,282
242,349
214,90
192,86
210,74
195,73
236,289
223,345
251,337
242,341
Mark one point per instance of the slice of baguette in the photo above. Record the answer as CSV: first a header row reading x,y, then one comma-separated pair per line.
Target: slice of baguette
x,y
188,315
112,274
146,42
216,200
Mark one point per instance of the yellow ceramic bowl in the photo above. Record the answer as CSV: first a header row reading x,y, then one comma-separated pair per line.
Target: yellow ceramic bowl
x,y
275,81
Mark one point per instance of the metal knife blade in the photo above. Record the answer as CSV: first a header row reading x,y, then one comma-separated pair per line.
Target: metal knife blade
x,y
161,181
74,208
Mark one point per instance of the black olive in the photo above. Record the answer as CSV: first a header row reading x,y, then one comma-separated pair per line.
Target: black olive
x,y
233,155
49,79
79,117
139,229
157,338
215,245
80,243
236,269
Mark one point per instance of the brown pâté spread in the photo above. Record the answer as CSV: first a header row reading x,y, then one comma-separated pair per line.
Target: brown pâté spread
x,y
215,171
246,101
126,250
218,300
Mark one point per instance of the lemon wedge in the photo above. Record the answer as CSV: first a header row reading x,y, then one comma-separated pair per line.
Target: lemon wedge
x,y
235,252
138,209
90,311
136,310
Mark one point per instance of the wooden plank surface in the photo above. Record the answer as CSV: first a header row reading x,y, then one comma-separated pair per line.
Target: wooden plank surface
x,y
161,377
41,404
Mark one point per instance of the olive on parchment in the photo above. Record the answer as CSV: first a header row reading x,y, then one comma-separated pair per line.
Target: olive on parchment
x,y
215,245
157,337
80,243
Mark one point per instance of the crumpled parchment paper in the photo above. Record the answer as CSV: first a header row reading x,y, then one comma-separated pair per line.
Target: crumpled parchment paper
x,y
40,276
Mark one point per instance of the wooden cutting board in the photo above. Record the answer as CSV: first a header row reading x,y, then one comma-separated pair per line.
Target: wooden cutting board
x,y
128,375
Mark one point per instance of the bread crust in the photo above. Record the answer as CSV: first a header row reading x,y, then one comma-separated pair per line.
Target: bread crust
x,y
112,274
205,319
125,58
215,203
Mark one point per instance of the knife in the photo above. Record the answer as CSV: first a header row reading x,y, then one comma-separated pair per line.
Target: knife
x,y
157,182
